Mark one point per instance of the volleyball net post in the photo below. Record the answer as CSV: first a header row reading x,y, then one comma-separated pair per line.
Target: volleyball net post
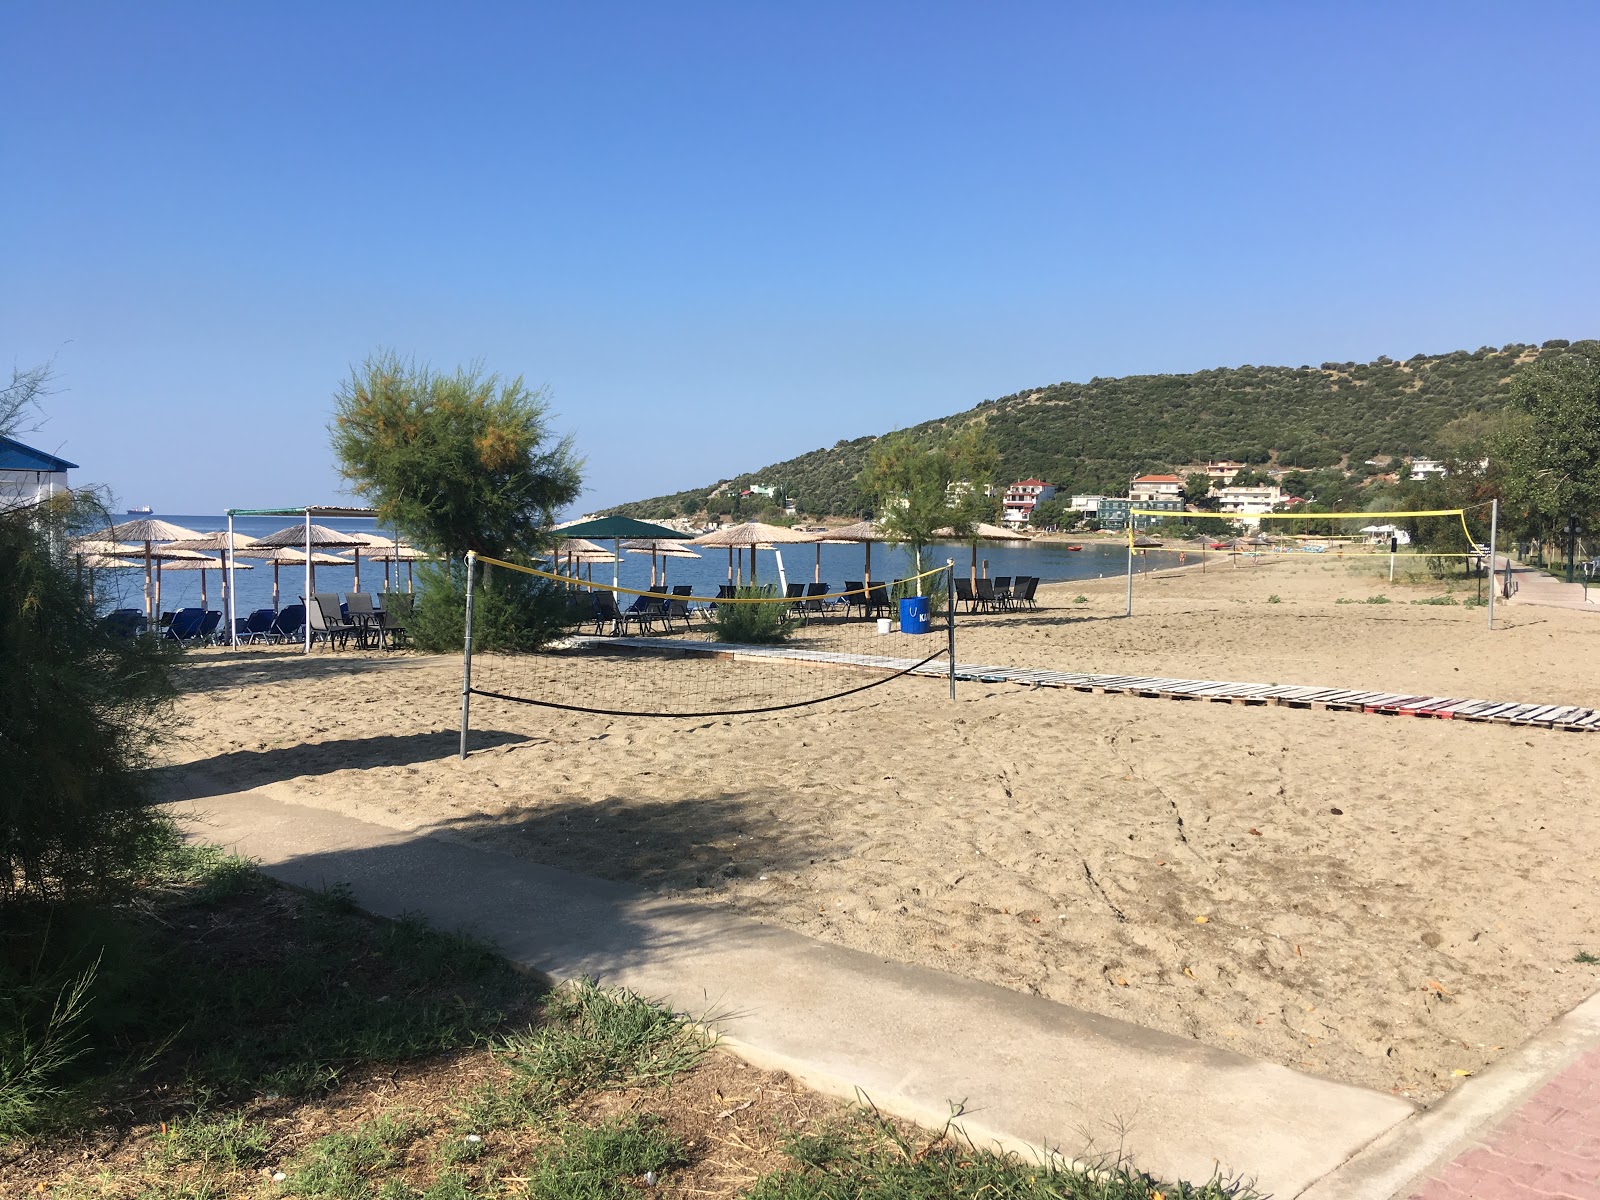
x,y
466,657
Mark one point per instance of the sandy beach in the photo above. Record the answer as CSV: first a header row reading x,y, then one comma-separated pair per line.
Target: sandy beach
x,y
1386,901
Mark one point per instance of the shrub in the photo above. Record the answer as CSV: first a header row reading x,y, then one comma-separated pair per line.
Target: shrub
x,y
80,713
753,624
511,611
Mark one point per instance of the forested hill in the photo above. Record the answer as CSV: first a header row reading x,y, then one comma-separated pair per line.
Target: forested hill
x,y
1095,436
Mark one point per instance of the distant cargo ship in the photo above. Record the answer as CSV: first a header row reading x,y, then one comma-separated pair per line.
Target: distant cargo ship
x,y
143,510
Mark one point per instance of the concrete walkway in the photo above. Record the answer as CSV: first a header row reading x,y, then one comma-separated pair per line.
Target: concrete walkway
x,y
1031,1072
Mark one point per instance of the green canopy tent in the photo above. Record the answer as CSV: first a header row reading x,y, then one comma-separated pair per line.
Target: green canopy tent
x,y
618,528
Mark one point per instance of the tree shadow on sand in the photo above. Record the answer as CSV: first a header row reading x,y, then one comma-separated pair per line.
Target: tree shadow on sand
x,y
229,669
238,770
701,844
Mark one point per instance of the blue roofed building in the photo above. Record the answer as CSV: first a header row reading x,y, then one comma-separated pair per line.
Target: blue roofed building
x,y
28,476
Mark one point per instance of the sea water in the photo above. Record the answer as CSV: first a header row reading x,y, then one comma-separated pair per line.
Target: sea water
x,y
834,565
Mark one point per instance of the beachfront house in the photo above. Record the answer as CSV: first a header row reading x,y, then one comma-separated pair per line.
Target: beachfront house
x,y
1114,511
1148,488
28,476
1087,505
1244,502
1423,468
1220,473
1021,498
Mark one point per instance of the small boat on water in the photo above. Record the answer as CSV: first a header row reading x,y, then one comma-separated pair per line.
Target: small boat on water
x,y
144,510
1074,547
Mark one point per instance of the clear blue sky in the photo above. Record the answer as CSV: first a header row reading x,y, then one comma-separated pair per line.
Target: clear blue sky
x,y
723,234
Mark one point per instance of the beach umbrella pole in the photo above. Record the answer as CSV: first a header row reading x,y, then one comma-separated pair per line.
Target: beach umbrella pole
x,y
1129,613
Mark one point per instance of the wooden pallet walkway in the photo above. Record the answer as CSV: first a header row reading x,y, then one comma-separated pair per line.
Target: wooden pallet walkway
x,y
1548,716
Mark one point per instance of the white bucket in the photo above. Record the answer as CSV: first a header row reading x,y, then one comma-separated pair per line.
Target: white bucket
x,y
884,624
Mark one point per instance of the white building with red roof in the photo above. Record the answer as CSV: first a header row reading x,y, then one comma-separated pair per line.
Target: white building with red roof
x,y
1017,505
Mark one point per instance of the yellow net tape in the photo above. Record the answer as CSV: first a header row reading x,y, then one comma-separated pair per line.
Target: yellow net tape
x,y
590,585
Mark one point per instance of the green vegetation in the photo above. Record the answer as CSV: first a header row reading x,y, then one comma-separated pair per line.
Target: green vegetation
x,y
867,1157
1095,436
1274,599
922,484
462,461
596,1038
1551,447
99,1002
753,624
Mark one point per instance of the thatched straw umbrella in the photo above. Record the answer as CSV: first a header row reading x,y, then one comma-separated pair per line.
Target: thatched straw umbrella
x,y
399,553
229,545
656,547
751,535
288,556
150,532
864,532
201,564
983,532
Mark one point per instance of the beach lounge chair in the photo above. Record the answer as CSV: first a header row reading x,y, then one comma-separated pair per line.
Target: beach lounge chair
x,y
257,627
679,605
795,594
855,596
983,590
124,622
1002,592
606,612
390,629
289,625
815,604
183,626
964,593
878,600
1025,596
210,622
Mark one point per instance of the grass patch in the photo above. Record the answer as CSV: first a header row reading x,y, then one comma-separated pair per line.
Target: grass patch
x,y
215,984
596,1037
230,1141
1583,956
1378,599
606,1161
1441,600
342,1165
1080,599
1274,599
868,1157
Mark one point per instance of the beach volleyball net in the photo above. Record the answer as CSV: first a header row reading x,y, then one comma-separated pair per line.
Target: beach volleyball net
x,y
1451,541
747,648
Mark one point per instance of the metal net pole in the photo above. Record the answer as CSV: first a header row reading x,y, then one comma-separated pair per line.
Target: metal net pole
x,y
1494,530
950,619
466,656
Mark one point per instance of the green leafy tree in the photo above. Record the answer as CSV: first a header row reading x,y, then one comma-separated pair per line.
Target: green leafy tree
x,y
461,462
921,486
1051,514
1197,490
1551,452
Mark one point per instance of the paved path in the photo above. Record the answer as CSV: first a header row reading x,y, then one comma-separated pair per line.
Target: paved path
x,y
1536,586
1032,1072
1526,1128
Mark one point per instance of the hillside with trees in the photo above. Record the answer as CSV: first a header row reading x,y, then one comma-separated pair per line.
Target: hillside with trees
x,y
1095,436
